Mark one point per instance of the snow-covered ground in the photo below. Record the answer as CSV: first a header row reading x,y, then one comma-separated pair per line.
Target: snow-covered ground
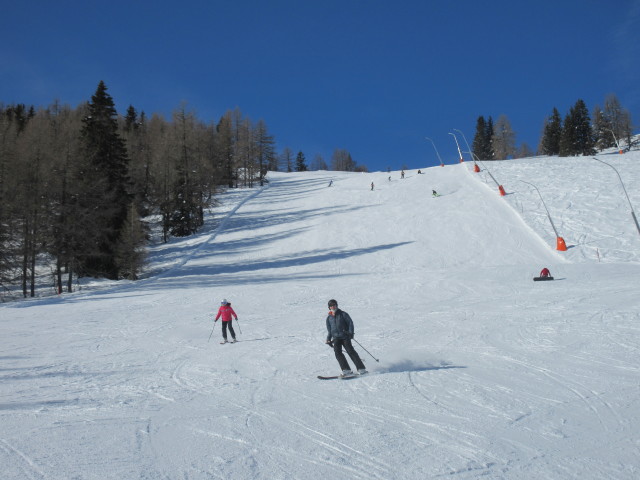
x,y
481,372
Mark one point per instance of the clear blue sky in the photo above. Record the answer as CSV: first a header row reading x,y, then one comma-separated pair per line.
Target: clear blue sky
x,y
373,77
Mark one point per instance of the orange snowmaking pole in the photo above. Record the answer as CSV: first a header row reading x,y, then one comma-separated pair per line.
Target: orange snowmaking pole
x,y
500,188
560,244
434,147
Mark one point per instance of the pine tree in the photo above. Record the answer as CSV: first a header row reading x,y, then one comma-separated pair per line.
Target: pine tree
x,y
577,133
584,131
550,143
567,140
488,134
8,156
301,165
186,215
20,115
136,135
482,141
131,119
104,182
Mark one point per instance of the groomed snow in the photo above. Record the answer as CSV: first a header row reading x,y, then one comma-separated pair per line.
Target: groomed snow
x,y
481,372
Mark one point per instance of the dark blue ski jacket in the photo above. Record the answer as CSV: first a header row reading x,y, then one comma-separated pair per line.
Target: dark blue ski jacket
x,y
339,326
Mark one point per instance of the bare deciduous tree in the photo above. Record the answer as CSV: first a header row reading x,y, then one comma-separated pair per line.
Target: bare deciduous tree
x,y
504,139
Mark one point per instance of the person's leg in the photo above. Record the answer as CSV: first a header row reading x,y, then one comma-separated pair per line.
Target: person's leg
x,y
224,330
233,333
337,349
355,358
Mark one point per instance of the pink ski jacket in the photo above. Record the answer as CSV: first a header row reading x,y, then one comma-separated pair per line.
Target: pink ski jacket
x,y
226,312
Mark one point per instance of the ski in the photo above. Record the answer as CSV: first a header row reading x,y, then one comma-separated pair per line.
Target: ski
x,y
341,377
333,377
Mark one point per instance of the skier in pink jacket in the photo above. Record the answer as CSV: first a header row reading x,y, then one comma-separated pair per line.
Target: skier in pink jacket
x,y
226,312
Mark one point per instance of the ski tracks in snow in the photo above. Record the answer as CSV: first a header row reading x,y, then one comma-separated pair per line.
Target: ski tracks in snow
x,y
16,464
316,448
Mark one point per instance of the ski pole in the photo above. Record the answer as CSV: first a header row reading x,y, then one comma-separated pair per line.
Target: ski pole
x,y
214,326
238,325
366,350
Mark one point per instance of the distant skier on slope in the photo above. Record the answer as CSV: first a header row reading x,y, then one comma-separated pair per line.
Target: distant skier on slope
x,y
435,194
226,312
339,333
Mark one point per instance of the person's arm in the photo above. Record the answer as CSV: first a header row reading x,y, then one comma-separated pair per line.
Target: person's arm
x,y
350,326
328,332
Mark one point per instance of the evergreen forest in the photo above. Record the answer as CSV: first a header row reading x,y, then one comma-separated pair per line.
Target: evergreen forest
x,y
578,134
81,187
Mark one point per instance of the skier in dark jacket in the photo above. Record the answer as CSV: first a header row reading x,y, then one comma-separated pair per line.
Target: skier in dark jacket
x,y
339,334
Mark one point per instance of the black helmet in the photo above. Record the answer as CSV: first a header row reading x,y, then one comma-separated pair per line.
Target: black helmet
x,y
333,303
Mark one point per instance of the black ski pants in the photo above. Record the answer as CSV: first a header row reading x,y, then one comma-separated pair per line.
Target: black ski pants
x,y
226,325
355,358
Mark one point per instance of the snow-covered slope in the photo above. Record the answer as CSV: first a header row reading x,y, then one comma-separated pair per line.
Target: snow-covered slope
x,y
586,201
481,372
